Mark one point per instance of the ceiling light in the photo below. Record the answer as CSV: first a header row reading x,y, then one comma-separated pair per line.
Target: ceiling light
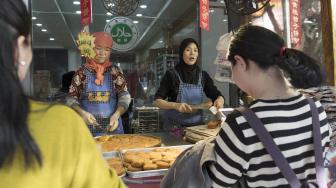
x,y
51,38
224,20
135,21
222,2
38,24
33,18
78,12
212,10
138,15
143,6
107,21
108,13
43,30
76,2
161,41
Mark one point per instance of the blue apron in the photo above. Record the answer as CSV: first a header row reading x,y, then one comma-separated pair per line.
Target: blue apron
x,y
101,101
191,94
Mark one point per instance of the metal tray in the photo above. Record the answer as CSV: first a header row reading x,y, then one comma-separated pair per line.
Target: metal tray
x,y
150,173
114,154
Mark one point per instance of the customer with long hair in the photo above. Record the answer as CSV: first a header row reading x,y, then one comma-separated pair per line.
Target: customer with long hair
x,y
259,61
41,145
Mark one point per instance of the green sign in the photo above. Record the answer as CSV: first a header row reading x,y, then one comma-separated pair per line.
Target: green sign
x,y
124,33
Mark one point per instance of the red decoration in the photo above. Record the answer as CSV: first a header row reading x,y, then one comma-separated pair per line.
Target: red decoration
x,y
204,14
86,12
295,23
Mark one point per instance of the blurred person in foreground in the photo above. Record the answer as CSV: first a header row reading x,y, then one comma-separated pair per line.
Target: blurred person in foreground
x,y
259,61
41,145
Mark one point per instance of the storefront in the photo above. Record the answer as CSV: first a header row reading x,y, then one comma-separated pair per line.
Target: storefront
x,y
147,45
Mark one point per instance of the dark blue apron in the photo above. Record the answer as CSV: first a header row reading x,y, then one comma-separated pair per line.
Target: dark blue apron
x,y
101,101
191,94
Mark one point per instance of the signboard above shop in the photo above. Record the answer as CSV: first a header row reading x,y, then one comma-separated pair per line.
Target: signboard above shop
x,y
124,33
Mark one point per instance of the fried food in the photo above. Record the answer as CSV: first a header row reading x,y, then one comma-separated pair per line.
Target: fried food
x,y
120,142
162,164
214,124
150,166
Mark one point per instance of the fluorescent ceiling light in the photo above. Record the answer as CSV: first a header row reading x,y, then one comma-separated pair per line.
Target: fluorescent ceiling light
x,y
212,10
33,18
76,2
108,13
161,41
43,30
135,21
222,2
38,24
138,15
107,20
51,38
78,12
143,6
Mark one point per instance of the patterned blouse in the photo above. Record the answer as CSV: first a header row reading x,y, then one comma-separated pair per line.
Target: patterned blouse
x,y
120,84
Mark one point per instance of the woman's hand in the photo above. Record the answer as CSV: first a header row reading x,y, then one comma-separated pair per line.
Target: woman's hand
x,y
114,123
89,119
183,107
219,102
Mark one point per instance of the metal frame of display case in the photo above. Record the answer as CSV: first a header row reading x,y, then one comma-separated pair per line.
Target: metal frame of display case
x,y
147,120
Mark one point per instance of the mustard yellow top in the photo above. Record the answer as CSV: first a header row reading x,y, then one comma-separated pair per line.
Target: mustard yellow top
x,y
70,155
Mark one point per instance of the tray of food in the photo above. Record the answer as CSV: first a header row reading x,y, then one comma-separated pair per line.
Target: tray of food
x,y
126,141
114,161
148,162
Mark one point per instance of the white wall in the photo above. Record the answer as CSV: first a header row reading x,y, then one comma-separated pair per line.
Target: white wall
x,y
209,41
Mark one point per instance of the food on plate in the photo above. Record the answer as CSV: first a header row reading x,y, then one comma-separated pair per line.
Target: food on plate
x,y
159,158
214,124
117,165
120,142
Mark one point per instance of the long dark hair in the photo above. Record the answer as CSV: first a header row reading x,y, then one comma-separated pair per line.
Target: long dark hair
x,y
14,106
266,48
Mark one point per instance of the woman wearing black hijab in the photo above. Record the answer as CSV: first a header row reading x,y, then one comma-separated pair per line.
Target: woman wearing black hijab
x,y
185,85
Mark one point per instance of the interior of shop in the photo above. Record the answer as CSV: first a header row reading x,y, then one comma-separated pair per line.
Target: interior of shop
x,y
148,46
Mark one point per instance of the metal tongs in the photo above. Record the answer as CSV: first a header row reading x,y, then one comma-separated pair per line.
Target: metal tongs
x,y
219,114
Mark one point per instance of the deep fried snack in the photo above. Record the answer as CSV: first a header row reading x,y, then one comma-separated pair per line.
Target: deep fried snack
x,y
162,164
214,124
138,162
134,169
150,166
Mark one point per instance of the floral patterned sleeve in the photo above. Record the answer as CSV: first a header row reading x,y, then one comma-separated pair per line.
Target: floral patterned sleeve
x,y
120,84
77,84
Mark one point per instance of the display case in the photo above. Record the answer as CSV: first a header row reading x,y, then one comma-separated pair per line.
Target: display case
x,y
147,120
162,64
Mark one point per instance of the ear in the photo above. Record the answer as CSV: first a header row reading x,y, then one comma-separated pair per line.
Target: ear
x,y
23,49
23,55
240,62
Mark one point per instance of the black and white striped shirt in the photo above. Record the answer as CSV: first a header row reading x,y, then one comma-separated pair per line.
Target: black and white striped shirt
x,y
239,152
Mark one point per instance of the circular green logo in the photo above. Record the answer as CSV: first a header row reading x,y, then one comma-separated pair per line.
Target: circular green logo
x,y
123,32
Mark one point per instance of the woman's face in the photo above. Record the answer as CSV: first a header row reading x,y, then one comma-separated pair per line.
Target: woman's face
x,y
102,54
190,54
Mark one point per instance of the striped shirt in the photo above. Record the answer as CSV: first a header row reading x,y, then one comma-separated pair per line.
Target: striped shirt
x,y
239,151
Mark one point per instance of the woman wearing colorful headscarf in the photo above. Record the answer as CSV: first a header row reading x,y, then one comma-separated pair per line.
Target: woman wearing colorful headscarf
x,y
184,86
100,91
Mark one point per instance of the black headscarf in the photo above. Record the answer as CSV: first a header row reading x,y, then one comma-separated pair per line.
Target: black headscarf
x,y
188,73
